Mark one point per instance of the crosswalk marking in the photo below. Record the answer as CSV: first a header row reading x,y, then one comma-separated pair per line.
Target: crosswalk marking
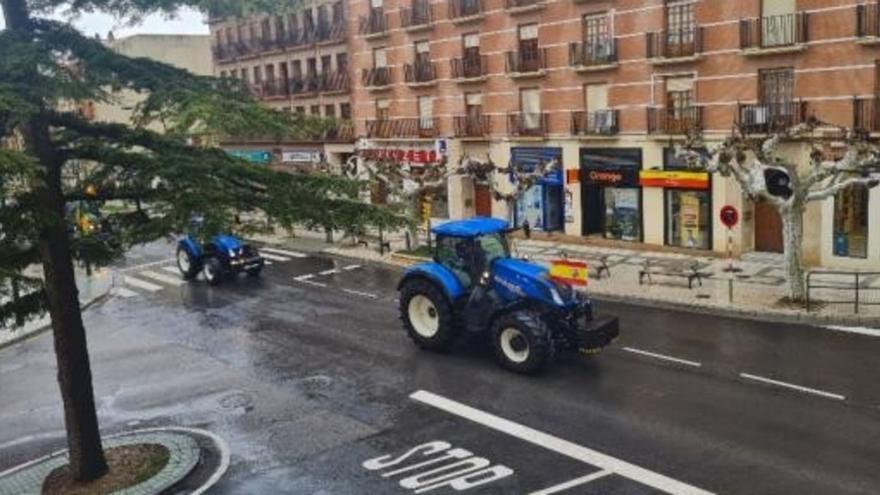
x,y
162,278
123,292
329,272
583,480
351,267
171,269
292,254
361,293
142,284
274,257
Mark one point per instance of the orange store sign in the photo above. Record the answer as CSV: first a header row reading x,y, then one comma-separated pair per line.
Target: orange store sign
x,y
677,179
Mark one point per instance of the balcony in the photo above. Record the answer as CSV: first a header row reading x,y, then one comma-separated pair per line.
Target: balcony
x,y
420,73
593,56
675,46
469,69
466,11
673,122
866,114
527,124
374,25
472,126
330,33
276,88
527,62
868,23
598,123
418,127
764,118
342,130
223,53
523,6
299,38
775,34
418,17
304,86
377,78
335,82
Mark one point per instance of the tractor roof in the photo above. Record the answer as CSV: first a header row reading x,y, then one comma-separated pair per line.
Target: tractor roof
x,y
471,227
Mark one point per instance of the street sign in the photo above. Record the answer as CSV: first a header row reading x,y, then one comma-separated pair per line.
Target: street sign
x,y
729,216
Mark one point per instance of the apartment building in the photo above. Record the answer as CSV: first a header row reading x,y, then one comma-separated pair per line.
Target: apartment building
x,y
607,87
295,62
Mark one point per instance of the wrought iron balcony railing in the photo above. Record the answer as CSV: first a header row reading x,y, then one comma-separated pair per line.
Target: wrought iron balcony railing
x,y
472,126
375,23
463,9
769,117
868,20
469,67
866,114
675,43
602,51
418,15
675,121
416,127
419,72
335,82
776,31
526,60
598,123
527,124
376,77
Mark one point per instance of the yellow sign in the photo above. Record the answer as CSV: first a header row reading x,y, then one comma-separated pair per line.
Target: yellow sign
x,y
570,272
666,178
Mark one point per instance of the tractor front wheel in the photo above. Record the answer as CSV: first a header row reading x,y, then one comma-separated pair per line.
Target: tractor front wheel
x,y
522,342
187,264
427,315
213,271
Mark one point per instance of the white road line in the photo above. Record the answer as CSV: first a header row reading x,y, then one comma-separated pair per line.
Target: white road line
x,y
145,265
123,292
556,444
171,269
303,278
872,332
142,284
572,483
161,277
267,262
274,257
292,254
792,386
351,267
663,357
360,293
329,272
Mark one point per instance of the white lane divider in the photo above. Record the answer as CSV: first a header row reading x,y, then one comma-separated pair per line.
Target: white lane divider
x,y
274,257
360,293
663,357
171,269
792,386
284,252
142,284
307,279
329,272
871,332
583,480
351,267
558,445
161,277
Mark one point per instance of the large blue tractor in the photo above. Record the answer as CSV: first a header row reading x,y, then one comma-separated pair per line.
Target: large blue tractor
x,y
474,286
220,258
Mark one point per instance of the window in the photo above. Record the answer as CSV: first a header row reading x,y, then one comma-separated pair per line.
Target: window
x,y
679,23
229,39
851,222
296,68
422,52
338,13
279,28
382,106
473,105
688,212
345,111
223,74
680,111
326,64
258,75
265,29
270,72
595,28
426,112
528,48
778,24
244,75
530,106
342,62
376,4
776,86
330,111
379,59
311,67
316,110
596,97
301,110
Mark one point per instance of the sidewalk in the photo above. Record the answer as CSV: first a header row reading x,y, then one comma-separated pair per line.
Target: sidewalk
x,y
90,289
754,292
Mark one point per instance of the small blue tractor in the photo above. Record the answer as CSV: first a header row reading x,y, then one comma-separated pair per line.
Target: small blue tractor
x,y
220,258
473,286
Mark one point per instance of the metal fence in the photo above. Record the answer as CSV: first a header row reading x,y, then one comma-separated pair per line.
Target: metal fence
x,y
843,282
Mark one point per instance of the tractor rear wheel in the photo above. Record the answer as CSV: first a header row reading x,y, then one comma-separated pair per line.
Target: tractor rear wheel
x,y
522,342
427,315
213,270
187,264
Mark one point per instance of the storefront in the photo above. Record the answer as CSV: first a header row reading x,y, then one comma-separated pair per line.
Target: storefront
x,y
542,205
611,196
851,207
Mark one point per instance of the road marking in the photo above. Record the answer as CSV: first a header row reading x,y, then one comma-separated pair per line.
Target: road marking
x,y
556,444
329,272
663,356
351,267
171,269
146,265
267,262
306,280
142,284
360,293
274,257
573,483
292,254
123,292
160,277
872,332
792,386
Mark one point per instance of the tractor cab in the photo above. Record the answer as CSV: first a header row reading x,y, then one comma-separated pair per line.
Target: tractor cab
x,y
468,249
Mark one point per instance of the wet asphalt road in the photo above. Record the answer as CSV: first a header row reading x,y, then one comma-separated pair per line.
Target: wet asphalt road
x,y
309,377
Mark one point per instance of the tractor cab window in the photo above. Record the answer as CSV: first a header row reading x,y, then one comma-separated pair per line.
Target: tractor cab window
x,y
492,247
455,253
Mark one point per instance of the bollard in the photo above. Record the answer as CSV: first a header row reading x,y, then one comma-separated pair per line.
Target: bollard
x,y
730,290
408,241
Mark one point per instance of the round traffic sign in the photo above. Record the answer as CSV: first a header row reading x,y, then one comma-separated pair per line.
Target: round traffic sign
x,y
729,216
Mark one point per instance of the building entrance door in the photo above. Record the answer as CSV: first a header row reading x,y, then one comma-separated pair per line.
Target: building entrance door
x,y
482,200
768,228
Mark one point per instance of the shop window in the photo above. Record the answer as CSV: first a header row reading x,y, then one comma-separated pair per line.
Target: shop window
x,y
688,219
610,193
851,222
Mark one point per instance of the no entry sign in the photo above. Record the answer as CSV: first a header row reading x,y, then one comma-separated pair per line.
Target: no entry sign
x,y
729,216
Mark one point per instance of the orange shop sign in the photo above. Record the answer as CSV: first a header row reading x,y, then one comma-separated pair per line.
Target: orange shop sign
x,y
677,179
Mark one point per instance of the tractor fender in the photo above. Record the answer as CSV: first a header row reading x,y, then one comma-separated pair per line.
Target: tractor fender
x,y
439,275
192,247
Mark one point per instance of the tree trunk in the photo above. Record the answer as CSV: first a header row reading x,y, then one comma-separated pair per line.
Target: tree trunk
x,y
414,213
87,460
793,237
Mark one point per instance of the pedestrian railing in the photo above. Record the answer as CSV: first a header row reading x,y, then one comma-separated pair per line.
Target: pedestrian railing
x,y
844,282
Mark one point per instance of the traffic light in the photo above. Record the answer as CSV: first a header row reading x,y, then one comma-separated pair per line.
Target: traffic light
x,y
778,182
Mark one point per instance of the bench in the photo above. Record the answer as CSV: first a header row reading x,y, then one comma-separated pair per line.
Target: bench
x,y
364,239
597,261
685,269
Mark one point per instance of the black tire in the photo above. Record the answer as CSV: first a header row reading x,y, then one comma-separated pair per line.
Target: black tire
x,y
255,271
511,331
213,271
189,267
440,338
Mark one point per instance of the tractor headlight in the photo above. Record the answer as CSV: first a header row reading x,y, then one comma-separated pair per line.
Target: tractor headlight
x,y
232,253
557,298
484,279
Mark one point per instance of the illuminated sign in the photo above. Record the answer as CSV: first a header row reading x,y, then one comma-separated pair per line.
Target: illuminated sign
x,y
676,179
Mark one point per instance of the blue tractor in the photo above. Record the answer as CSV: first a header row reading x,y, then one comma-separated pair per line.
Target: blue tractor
x,y
473,286
220,258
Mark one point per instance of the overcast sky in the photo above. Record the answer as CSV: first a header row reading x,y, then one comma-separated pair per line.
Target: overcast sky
x,y
187,22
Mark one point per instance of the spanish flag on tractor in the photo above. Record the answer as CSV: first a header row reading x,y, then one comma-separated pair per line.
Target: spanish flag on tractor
x,y
569,272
